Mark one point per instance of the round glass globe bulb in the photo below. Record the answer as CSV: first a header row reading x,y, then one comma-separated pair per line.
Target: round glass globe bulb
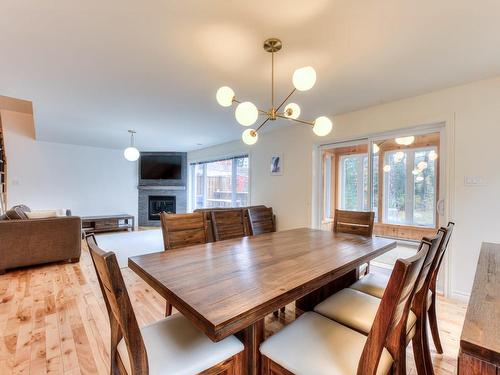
x,y
304,78
433,155
292,110
322,126
398,156
246,113
421,166
225,96
250,136
131,154
387,168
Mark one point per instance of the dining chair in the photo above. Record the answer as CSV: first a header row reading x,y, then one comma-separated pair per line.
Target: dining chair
x,y
170,346
228,224
181,230
357,309
355,222
375,285
262,220
314,344
431,308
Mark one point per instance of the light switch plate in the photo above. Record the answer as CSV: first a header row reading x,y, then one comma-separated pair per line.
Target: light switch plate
x,y
474,181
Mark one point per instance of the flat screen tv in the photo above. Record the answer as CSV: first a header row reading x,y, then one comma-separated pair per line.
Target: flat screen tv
x,y
161,167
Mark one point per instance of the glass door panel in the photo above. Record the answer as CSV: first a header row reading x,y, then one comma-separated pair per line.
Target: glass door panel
x,y
345,179
405,181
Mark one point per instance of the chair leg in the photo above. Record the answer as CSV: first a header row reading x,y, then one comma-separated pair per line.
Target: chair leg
x,y
434,326
399,367
168,310
429,368
418,349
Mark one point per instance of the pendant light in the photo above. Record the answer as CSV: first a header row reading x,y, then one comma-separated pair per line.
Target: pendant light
x,y
247,113
131,153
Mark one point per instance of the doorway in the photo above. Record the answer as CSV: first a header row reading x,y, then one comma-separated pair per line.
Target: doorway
x,y
397,175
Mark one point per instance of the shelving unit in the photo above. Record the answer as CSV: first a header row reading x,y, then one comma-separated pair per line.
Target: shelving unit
x,y
3,172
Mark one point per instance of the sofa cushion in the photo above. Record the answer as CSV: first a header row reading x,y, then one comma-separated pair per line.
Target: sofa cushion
x,y
18,212
42,214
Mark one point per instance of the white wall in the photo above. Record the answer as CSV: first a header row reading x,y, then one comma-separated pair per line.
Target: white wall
x,y
88,180
471,111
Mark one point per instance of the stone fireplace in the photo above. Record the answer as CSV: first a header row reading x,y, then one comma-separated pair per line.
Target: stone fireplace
x,y
156,196
159,204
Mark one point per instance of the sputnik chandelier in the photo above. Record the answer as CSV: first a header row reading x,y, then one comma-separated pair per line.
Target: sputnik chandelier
x,y
247,113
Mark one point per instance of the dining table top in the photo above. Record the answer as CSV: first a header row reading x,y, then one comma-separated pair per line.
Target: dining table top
x,y
225,286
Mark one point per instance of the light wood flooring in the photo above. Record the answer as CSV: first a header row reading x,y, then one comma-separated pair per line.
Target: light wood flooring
x,y
53,321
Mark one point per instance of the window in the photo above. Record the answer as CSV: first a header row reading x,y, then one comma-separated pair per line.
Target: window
x,y
354,182
410,187
220,183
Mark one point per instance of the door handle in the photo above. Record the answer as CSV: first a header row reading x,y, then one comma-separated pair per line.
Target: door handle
x,y
440,207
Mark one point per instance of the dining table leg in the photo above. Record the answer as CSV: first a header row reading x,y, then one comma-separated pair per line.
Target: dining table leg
x,y
252,337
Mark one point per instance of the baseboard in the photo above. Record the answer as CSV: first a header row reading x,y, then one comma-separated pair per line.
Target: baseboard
x,y
460,296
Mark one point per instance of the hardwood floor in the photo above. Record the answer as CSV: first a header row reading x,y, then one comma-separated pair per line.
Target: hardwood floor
x,y
53,320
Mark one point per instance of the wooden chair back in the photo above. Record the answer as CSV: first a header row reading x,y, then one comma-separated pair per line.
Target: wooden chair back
x,y
444,247
389,327
228,224
421,290
122,318
354,222
181,230
262,220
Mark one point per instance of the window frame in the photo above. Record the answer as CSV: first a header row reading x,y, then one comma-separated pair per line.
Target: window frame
x,y
204,163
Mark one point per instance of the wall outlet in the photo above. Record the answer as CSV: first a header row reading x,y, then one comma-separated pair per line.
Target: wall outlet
x,y
474,181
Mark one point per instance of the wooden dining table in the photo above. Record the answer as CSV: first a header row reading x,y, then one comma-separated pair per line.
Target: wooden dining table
x,y
228,287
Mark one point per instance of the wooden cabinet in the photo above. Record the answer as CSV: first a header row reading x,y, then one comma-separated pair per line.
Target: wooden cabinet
x,y
107,223
480,340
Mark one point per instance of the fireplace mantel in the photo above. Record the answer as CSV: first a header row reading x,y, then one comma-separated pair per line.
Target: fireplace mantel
x,y
160,187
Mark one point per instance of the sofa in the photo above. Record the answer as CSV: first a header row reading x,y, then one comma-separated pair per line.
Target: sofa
x,y
28,242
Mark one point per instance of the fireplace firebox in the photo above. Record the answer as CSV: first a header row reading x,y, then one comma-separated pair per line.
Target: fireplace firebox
x,y
159,204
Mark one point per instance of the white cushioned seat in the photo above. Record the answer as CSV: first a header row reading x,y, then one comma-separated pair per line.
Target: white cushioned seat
x,y
315,345
374,284
175,347
355,309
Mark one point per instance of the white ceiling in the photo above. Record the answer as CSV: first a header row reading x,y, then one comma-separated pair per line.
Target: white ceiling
x,y
94,69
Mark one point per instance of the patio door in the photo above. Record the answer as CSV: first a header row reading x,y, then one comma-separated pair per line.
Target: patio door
x,y
400,179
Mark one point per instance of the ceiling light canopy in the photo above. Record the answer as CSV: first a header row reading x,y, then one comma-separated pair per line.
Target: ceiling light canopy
x,y
131,153
247,113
